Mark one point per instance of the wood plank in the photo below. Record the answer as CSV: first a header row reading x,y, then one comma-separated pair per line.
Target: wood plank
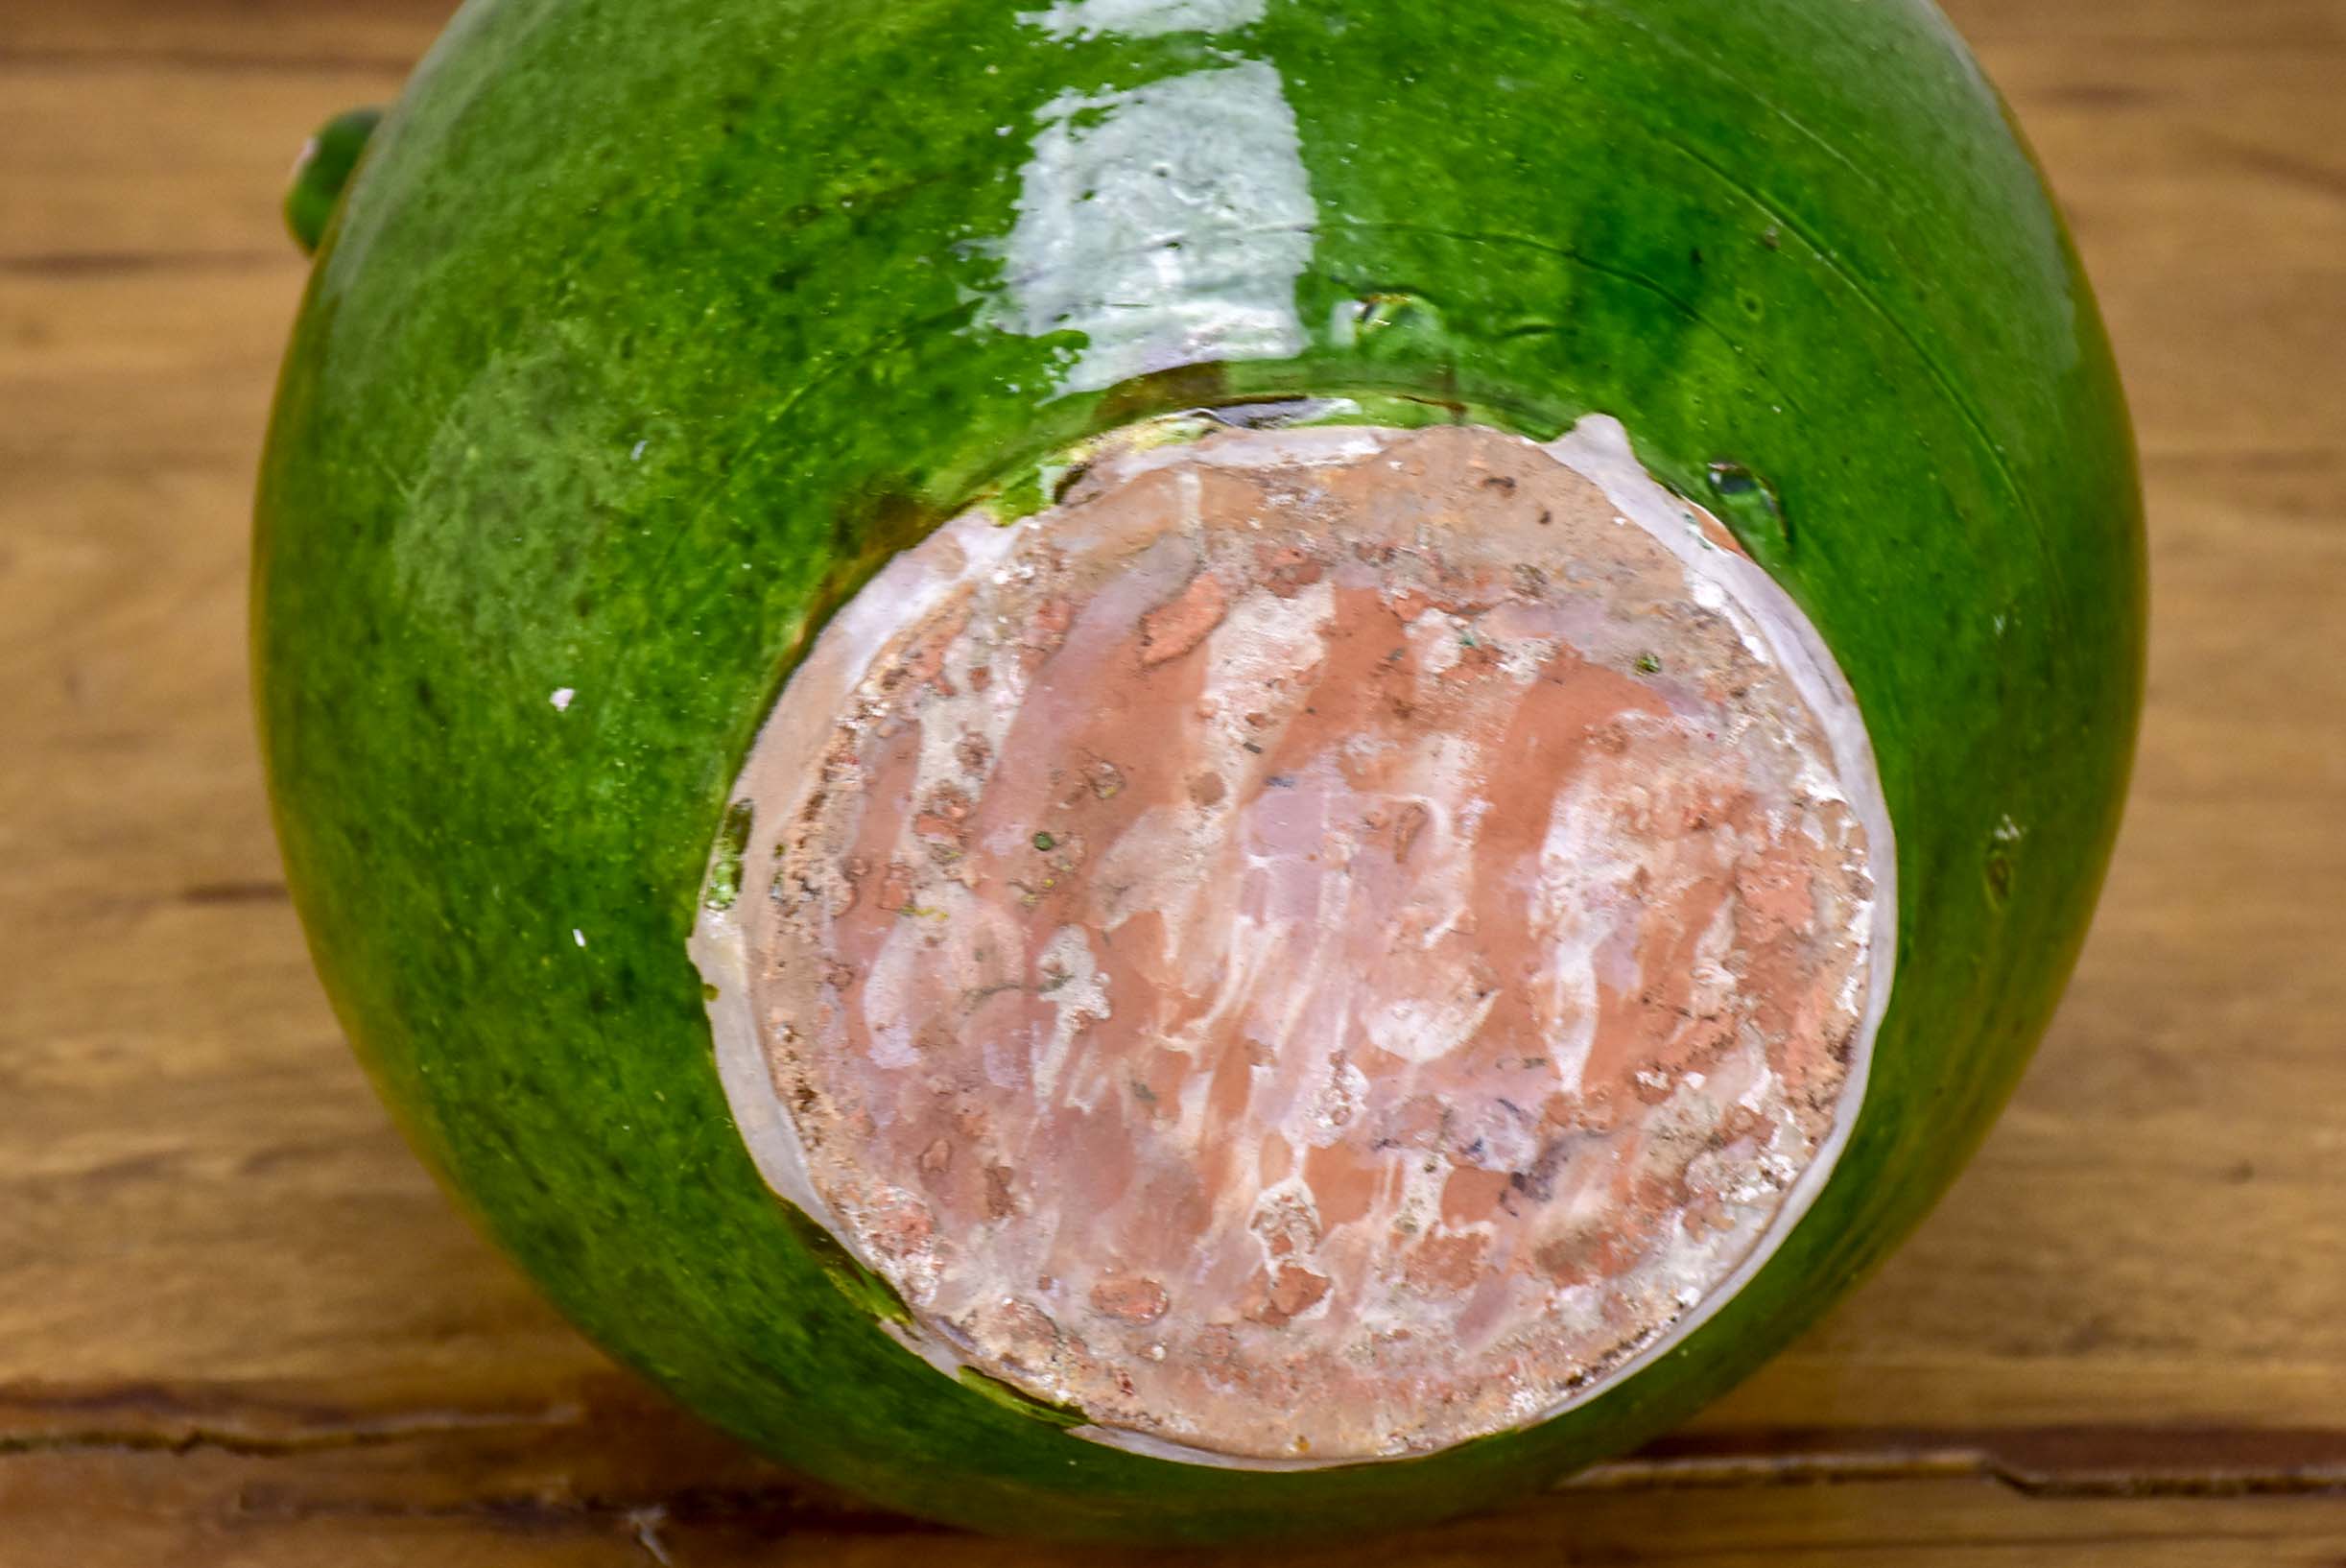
x,y
221,38
238,1324
489,1505
183,172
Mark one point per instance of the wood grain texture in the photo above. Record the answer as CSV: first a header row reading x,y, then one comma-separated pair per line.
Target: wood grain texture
x,y
238,1325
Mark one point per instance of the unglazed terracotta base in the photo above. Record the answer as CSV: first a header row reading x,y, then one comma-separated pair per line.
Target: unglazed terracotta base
x,y
1320,945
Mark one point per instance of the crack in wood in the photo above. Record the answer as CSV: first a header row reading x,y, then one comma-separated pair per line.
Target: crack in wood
x,y
2318,1469
235,892
99,61
79,264
1636,1474
246,1445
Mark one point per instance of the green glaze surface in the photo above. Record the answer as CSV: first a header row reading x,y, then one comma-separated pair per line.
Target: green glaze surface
x,y
321,172
646,331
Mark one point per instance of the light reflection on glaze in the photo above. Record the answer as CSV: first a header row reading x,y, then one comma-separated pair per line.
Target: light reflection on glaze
x,y
1166,223
1143,18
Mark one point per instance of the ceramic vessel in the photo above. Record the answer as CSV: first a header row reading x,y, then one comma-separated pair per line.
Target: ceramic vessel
x,y
1174,767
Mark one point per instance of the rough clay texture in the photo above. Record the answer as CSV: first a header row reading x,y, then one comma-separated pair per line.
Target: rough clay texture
x,y
1310,955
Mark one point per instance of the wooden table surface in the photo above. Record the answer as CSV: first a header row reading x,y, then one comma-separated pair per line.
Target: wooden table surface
x,y
238,1325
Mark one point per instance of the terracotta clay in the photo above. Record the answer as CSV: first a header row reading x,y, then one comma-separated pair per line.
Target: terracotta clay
x,y
1318,946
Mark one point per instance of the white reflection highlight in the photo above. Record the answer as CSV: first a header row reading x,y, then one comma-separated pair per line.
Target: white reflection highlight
x,y
1167,222
1143,18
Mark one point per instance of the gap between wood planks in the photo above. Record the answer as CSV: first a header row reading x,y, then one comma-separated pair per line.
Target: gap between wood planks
x,y
2079,1462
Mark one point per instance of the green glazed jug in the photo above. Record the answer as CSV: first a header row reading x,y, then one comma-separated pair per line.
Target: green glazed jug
x,y
1169,768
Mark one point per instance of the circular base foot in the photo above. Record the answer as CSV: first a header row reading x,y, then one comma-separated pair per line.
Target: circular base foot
x,y
1321,946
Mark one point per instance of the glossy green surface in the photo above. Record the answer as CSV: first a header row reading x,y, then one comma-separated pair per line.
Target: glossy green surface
x,y
322,170
649,326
